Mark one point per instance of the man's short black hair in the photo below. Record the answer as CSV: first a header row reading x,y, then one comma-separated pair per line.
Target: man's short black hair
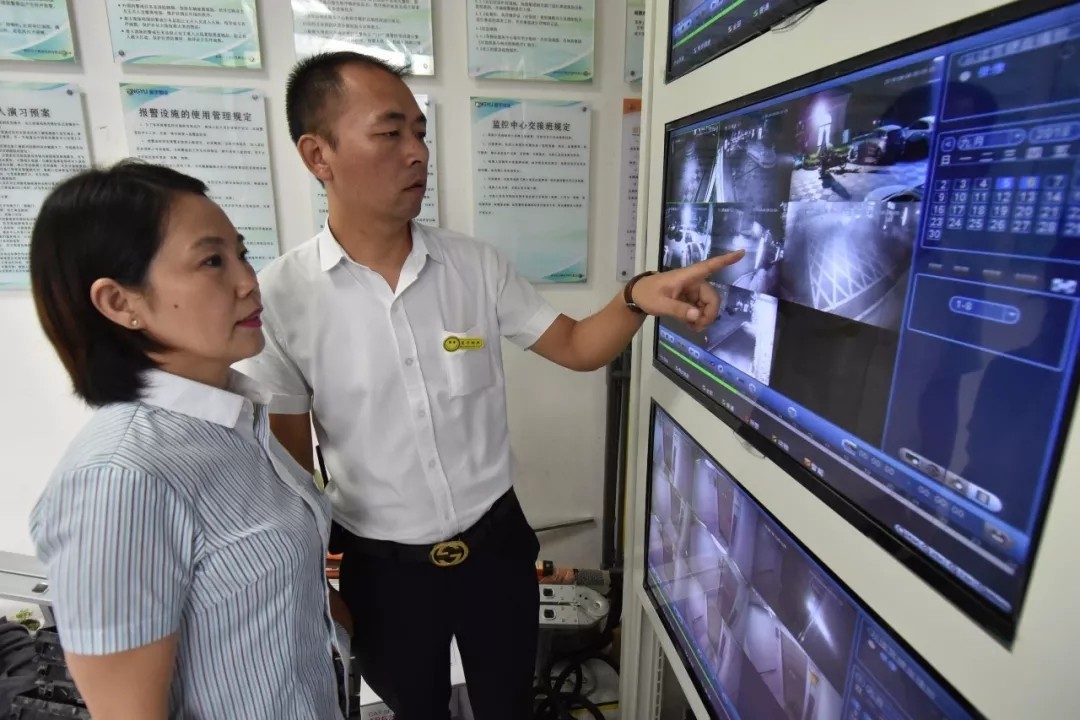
x,y
101,223
315,82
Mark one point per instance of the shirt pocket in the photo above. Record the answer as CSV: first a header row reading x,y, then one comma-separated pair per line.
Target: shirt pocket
x,y
466,359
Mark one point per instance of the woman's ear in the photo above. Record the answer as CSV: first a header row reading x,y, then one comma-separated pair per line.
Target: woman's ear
x,y
115,302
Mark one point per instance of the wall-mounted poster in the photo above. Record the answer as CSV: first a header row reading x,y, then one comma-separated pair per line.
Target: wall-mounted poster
x,y
628,188
531,184
537,40
36,30
429,210
213,33
634,55
397,31
42,142
219,136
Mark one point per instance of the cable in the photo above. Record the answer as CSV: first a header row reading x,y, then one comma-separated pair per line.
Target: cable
x,y
791,22
559,705
556,703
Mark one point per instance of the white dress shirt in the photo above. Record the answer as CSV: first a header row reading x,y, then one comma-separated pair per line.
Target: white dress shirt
x,y
405,386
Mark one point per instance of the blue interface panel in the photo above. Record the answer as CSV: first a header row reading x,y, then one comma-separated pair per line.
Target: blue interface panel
x,y
702,30
763,627
904,322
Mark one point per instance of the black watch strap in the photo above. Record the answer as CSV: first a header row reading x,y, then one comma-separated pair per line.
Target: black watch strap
x,y
628,291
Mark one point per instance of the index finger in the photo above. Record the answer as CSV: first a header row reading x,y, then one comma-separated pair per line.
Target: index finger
x,y
705,268
708,302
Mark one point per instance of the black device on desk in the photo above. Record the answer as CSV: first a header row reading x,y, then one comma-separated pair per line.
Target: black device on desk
x,y
50,691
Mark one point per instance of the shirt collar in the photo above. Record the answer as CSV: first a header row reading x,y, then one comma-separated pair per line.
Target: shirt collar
x,y
205,402
331,253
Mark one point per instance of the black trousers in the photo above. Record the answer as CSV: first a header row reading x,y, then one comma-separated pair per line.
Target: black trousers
x,y
406,611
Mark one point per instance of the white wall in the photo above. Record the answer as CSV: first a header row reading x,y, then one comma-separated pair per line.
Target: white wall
x,y
1036,678
557,417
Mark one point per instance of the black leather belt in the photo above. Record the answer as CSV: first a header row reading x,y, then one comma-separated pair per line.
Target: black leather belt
x,y
448,553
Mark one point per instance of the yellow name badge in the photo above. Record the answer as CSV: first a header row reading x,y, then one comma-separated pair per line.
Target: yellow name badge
x,y
453,344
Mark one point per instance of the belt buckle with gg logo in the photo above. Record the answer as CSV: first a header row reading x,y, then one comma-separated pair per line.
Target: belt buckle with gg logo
x,y
449,553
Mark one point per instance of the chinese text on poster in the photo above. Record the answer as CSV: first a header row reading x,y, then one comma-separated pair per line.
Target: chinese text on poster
x,y
217,135
42,142
531,184
541,40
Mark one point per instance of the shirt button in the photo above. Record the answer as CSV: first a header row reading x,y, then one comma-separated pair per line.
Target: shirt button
x,y
409,361
431,464
423,413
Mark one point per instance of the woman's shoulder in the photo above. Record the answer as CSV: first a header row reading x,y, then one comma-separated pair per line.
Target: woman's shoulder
x,y
138,436
127,441
111,464
110,437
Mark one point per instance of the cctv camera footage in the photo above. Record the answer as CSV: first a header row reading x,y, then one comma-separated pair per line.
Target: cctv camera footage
x,y
850,259
745,160
901,331
743,333
767,631
824,194
699,231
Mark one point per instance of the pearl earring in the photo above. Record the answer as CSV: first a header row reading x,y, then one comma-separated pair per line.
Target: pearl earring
x,y
134,322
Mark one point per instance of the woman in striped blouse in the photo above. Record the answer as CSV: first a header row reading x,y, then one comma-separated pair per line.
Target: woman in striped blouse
x,y
185,548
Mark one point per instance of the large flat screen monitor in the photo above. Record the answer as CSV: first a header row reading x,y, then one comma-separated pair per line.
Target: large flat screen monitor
x,y
766,631
703,30
901,335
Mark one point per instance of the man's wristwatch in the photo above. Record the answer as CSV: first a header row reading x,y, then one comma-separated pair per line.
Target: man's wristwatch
x,y
628,291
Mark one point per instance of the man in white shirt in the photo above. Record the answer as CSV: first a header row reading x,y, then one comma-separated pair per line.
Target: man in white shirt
x,y
388,333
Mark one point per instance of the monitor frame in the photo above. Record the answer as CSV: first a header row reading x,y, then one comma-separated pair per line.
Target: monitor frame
x,y
1000,625
670,77
654,407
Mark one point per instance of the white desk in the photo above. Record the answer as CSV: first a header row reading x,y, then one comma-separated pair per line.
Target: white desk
x,y
22,578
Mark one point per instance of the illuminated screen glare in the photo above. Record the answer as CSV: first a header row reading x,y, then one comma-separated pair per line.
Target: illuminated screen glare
x,y
903,327
703,30
766,632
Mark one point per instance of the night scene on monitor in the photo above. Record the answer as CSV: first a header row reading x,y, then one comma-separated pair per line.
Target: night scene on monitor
x,y
903,325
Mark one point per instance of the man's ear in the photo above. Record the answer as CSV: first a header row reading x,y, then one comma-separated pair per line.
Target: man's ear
x,y
115,302
313,152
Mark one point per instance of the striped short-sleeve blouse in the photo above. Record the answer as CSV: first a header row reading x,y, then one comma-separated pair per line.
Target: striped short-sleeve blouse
x,y
180,513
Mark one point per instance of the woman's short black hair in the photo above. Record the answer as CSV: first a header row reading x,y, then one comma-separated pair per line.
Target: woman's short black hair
x,y
101,223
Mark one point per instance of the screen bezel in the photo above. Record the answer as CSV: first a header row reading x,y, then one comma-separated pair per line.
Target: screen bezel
x,y
862,606
1000,625
758,31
